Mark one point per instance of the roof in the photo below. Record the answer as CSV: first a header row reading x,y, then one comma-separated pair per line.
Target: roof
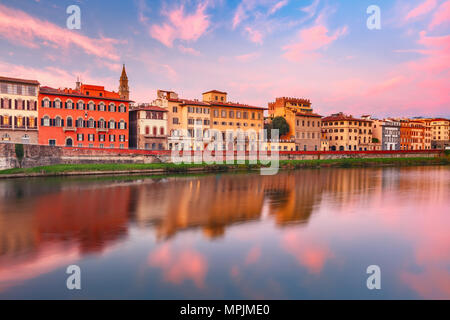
x,y
193,102
16,80
148,108
235,105
315,115
77,94
343,117
214,91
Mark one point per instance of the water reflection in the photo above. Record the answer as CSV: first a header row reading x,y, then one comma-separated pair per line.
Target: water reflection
x,y
303,234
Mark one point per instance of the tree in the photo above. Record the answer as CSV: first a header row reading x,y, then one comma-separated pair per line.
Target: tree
x,y
281,124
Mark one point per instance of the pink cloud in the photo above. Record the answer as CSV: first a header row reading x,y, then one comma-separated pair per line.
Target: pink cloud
x,y
19,27
255,35
182,26
247,57
311,41
441,16
188,50
278,6
424,8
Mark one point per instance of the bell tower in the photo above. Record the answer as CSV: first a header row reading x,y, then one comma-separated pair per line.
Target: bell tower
x,y
124,90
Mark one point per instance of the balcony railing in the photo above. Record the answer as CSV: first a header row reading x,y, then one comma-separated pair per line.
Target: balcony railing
x,y
73,129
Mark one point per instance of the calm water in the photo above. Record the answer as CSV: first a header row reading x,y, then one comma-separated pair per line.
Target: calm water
x,y
307,234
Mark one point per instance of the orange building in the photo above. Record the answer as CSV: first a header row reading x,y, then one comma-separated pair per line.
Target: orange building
x,y
88,116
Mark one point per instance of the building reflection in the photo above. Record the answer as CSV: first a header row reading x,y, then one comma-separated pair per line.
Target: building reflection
x,y
91,217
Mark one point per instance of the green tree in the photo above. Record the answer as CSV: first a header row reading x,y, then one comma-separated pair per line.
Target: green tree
x,y
281,124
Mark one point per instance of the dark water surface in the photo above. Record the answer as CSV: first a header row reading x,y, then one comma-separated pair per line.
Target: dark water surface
x,y
298,235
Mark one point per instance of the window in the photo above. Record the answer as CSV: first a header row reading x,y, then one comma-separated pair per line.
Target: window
x,y
122,124
80,123
112,138
155,131
57,122
91,123
91,137
175,121
52,143
91,106
101,137
122,108
122,138
101,107
112,124
45,121
80,105
175,109
161,131
57,104
102,124
112,107
224,114
80,137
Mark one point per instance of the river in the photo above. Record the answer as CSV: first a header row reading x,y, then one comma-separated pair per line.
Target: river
x,y
306,234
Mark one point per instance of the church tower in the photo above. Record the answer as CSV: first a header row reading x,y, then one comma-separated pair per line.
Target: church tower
x,y
124,90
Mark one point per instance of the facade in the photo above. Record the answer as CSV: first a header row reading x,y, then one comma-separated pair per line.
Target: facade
x,y
18,110
415,135
440,132
304,125
346,133
390,135
88,116
148,128
191,120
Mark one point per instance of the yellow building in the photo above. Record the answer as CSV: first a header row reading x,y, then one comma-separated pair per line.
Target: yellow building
x,y
439,132
194,118
346,133
18,110
304,125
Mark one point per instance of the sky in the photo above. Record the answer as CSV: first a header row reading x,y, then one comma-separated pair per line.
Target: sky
x,y
256,50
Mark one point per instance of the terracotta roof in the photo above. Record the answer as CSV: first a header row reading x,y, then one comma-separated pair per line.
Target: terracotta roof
x,y
78,94
214,91
16,80
315,115
343,118
235,105
148,108
193,102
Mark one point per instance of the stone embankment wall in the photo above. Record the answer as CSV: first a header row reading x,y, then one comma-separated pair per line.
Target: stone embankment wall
x,y
35,155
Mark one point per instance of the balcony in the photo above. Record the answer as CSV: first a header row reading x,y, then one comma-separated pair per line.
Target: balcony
x,y
105,130
69,129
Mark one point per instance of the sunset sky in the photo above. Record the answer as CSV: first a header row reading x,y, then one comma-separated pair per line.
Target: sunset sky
x,y
255,50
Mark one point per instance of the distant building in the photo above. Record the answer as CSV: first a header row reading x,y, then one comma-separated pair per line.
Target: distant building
x,y
304,125
148,127
346,133
440,132
390,135
88,116
18,110
193,118
414,135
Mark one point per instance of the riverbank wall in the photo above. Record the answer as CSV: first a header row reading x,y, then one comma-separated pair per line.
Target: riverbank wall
x,y
36,156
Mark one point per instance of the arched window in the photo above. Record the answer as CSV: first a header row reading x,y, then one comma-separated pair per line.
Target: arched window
x,y
80,123
112,107
46,103
102,124
122,124
161,131
91,106
46,121
69,104
122,108
57,104
69,122
112,124
80,105
91,123
147,130
58,121
155,131
101,106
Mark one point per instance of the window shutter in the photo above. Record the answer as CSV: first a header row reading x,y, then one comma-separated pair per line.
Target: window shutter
x,y
62,122
1,120
10,103
125,125
35,105
42,122
1,103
